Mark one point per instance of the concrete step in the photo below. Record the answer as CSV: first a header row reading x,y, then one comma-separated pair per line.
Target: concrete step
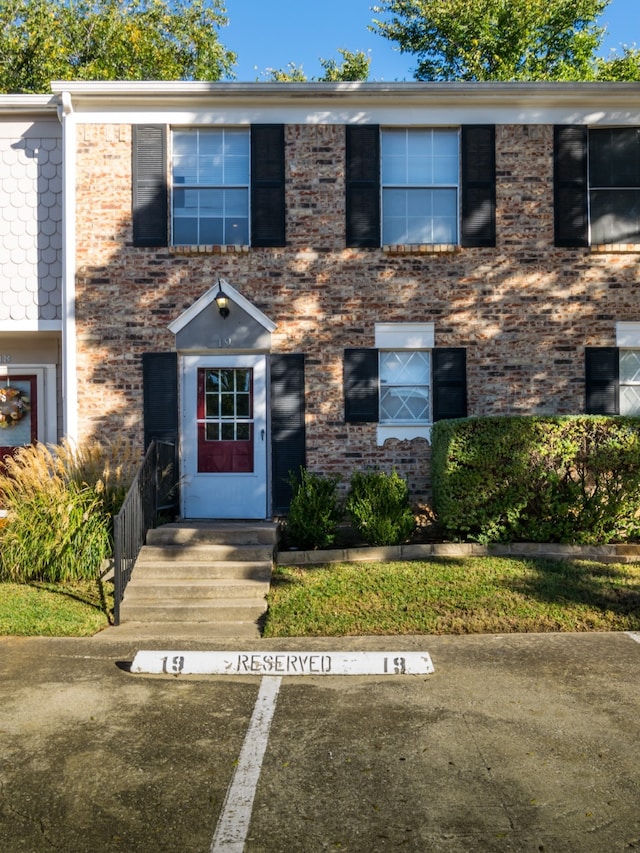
x,y
149,568
214,612
197,590
203,552
226,533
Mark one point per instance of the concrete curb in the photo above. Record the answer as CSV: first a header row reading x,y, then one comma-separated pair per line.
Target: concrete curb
x,y
601,553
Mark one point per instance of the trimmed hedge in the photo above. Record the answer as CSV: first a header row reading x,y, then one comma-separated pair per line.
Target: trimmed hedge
x,y
538,479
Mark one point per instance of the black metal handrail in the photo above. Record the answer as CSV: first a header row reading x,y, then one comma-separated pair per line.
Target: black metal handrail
x,y
153,491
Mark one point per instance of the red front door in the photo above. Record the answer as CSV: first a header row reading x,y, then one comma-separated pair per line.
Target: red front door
x,y
225,420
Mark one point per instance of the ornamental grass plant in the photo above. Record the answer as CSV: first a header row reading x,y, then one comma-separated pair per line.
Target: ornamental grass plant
x,y
59,501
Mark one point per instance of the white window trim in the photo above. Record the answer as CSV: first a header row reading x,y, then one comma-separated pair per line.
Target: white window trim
x,y
404,336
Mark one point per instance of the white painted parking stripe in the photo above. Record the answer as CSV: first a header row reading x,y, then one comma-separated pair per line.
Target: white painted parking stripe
x,y
282,663
634,635
233,824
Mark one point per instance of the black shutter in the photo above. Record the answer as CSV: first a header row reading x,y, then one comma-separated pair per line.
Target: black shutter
x,y
287,426
361,385
160,396
602,372
267,185
571,221
449,383
149,190
478,185
362,185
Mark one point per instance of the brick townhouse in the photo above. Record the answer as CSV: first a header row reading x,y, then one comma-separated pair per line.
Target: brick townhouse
x,y
287,274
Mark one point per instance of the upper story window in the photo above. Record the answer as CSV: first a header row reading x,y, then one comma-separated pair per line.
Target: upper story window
x,y
420,177
596,185
420,186
211,180
221,186
614,185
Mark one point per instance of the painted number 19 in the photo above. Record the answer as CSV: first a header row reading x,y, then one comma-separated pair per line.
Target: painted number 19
x,y
175,666
399,666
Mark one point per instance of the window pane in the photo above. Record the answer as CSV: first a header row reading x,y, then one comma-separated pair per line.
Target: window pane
x,y
185,231
419,157
211,232
243,379
212,432
615,216
242,406
404,368
419,216
630,400
404,404
236,232
614,157
630,365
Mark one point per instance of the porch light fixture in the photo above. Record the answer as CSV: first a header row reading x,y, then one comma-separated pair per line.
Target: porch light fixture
x,y
222,301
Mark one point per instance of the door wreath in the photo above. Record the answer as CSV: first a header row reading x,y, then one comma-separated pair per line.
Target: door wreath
x,y
13,407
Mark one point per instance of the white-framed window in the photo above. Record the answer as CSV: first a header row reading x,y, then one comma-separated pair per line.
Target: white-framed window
x,y
628,344
405,387
614,185
630,382
210,186
420,172
404,379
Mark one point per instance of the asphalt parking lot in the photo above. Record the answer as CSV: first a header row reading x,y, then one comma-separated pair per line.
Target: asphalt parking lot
x,y
514,743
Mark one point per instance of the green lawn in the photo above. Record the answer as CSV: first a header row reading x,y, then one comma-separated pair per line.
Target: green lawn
x,y
54,610
440,596
454,596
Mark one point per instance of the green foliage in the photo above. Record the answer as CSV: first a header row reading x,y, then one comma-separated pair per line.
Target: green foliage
x,y
555,479
495,39
60,500
44,40
378,505
315,511
355,66
619,68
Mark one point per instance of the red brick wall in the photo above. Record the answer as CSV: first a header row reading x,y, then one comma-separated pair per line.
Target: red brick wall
x,y
525,310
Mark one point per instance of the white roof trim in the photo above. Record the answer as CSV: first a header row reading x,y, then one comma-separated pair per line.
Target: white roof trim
x,y
207,298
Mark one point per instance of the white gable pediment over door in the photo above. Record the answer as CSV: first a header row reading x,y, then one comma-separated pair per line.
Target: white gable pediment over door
x,y
202,327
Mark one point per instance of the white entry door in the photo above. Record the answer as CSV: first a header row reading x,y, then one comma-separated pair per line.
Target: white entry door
x,y
224,436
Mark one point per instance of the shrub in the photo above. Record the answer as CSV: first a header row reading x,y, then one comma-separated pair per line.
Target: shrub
x,y
557,479
60,502
378,505
315,511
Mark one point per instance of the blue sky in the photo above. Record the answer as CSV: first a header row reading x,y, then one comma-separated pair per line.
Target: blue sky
x,y
272,33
